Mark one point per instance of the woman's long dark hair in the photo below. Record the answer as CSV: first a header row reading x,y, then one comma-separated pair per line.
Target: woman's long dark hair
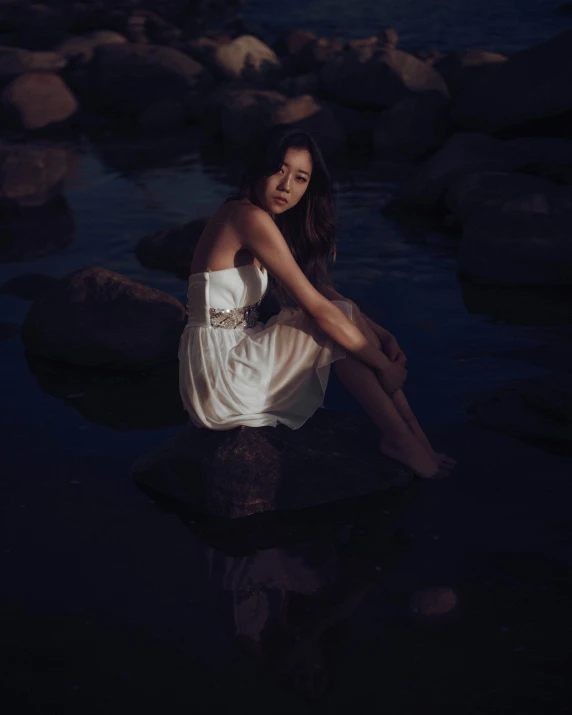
x,y
309,227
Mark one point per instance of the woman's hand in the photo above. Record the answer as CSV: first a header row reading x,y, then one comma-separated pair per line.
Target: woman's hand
x,y
392,377
391,348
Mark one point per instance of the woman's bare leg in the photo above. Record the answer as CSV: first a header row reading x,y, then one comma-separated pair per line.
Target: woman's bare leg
x,y
397,442
385,412
400,402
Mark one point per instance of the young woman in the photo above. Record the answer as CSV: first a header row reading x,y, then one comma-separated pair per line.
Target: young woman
x,y
236,370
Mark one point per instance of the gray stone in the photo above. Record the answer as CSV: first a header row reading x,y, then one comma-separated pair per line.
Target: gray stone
x,y
457,67
248,59
523,248
99,318
79,50
31,175
128,78
413,127
377,77
463,153
314,117
171,249
246,471
38,100
532,84
514,194
15,61
538,409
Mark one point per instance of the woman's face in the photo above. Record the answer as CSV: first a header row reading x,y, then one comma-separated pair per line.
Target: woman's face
x,y
289,183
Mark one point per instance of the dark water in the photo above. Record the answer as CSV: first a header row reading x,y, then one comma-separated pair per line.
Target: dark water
x,y
502,26
110,603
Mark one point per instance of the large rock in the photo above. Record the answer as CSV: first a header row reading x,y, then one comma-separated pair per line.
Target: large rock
x,y
463,153
531,85
15,61
99,318
244,113
79,50
378,77
536,409
246,58
458,67
246,471
312,116
31,175
513,194
38,101
171,249
517,248
549,157
413,127
129,78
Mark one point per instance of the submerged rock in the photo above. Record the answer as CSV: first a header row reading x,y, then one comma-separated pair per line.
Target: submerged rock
x,y
244,471
537,409
99,318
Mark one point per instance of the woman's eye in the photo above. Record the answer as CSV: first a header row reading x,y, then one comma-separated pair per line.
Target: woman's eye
x,y
302,179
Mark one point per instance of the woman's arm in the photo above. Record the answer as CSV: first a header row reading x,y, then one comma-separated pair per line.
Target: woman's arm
x,y
332,294
264,239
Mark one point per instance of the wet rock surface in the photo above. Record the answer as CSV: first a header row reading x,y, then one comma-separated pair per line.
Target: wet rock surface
x,y
38,100
96,317
246,471
31,175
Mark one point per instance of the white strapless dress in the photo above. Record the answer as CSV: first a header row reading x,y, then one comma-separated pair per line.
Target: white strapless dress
x,y
256,376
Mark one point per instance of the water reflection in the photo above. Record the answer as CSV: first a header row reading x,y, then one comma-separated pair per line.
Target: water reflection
x,y
121,401
287,584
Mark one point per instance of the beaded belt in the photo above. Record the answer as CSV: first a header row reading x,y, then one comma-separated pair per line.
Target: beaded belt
x,y
231,318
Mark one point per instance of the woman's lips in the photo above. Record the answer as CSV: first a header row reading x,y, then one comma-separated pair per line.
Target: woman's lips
x,y
280,201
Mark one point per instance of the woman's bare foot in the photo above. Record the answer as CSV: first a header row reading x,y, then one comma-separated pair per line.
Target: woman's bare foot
x,y
444,461
408,451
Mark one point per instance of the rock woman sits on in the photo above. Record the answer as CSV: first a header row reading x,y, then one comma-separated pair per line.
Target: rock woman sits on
x,y
279,233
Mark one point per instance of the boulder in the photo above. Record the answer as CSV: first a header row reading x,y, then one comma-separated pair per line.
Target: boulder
x,y
463,153
31,175
531,85
164,116
79,50
512,194
129,78
301,84
457,67
244,113
36,232
293,41
304,52
378,77
538,409
517,248
171,249
99,318
548,157
248,59
245,471
312,116
38,100
413,127
15,61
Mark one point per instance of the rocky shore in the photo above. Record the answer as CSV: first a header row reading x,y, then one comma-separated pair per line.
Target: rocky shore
x,y
483,139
